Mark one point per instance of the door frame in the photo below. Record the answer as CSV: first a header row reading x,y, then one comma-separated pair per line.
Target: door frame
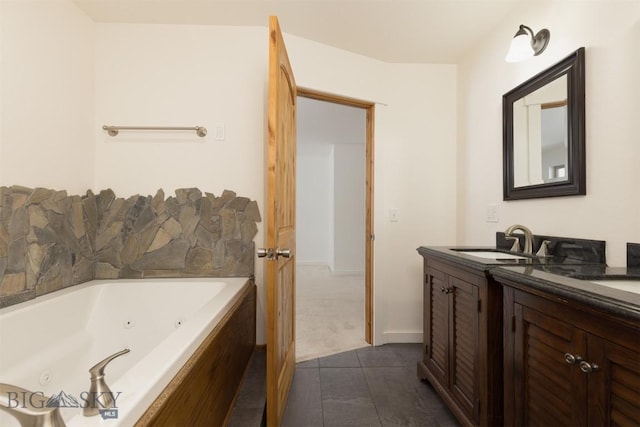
x,y
369,236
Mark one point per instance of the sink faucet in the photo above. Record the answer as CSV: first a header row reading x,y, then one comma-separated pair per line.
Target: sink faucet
x,y
101,396
29,408
528,238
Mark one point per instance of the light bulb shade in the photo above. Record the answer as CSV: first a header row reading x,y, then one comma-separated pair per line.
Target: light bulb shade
x,y
520,49
526,44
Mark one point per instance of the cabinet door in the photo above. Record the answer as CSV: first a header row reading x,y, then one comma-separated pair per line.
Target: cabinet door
x,y
551,390
463,344
614,384
437,326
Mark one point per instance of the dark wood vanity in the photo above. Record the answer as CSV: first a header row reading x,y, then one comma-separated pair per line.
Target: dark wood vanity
x,y
462,346
520,346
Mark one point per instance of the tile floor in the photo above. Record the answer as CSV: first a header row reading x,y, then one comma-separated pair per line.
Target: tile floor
x,y
371,386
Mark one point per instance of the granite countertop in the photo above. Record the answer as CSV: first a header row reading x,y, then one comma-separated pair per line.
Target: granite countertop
x,y
454,254
561,276
575,282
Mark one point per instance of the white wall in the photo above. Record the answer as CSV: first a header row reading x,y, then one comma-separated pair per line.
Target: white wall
x,y
202,75
415,167
349,200
610,32
47,102
314,203
331,185
60,70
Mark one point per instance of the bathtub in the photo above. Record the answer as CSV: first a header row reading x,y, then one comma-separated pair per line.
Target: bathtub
x,y
48,344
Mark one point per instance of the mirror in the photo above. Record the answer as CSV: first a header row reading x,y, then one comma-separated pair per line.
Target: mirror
x,y
543,133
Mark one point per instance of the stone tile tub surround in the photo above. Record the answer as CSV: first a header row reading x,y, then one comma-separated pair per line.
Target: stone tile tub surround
x,y
590,251
50,240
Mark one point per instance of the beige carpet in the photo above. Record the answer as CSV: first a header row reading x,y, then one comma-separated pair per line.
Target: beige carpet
x,y
329,312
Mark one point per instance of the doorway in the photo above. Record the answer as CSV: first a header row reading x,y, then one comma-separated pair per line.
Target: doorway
x,y
334,224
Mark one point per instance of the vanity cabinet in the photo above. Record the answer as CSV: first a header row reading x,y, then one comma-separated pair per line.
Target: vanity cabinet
x,y
567,363
462,352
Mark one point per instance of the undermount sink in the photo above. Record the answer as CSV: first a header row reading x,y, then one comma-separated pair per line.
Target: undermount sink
x,y
492,255
621,284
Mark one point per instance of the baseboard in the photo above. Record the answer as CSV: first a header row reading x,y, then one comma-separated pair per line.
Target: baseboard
x,y
312,264
401,337
347,272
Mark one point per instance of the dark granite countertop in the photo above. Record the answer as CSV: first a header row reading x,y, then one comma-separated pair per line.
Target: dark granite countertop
x,y
562,276
454,254
575,283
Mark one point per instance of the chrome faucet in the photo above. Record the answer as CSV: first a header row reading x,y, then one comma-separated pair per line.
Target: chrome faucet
x,y
29,408
528,238
100,395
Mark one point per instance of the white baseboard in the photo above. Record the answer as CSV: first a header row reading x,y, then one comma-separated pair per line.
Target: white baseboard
x,y
347,272
312,264
401,337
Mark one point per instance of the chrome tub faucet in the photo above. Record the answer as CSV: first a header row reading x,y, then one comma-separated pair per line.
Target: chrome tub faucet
x,y
29,408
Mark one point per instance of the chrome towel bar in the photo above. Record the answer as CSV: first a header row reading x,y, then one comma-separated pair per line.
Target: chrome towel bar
x,y
201,131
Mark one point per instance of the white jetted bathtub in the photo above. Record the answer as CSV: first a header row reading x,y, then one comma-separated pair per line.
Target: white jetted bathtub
x,y
48,344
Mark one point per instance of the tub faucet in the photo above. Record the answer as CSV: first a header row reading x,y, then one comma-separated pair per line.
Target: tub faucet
x,y
29,408
528,237
100,395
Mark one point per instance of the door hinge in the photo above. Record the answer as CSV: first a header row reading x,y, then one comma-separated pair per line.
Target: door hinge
x,y
479,306
513,323
373,236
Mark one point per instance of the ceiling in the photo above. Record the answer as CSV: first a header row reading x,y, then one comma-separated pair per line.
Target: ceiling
x,y
417,31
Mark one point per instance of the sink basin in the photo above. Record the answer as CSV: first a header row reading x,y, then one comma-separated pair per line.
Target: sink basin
x,y
623,285
492,255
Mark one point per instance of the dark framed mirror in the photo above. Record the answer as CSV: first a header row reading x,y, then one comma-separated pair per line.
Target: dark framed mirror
x,y
543,125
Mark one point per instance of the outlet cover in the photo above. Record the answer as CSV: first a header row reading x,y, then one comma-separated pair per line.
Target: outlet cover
x,y
493,213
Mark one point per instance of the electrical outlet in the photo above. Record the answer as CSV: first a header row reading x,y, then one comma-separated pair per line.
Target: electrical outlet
x,y
493,213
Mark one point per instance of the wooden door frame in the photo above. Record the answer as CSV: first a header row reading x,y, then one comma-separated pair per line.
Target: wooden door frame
x,y
369,107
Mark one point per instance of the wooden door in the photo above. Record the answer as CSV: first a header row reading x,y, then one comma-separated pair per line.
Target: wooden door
x,y
550,388
281,231
463,344
614,383
437,325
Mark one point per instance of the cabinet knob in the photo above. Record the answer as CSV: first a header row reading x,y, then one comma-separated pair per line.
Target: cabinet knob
x,y
571,359
587,367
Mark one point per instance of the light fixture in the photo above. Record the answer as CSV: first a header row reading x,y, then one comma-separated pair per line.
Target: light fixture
x,y
525,44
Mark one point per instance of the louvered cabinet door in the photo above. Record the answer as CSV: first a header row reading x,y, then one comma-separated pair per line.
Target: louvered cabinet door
x,y
463,345
614,383
437,325
549,385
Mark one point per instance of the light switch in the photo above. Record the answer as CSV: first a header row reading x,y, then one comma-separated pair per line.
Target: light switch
x,y
393,215
218,134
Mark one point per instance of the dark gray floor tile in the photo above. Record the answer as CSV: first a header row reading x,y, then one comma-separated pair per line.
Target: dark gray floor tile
x,y
245,417
390,355
304,405
347,359
402,399
313,363
346,400
253,390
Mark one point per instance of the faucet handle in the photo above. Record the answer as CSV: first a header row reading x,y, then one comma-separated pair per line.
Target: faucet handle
x,y
544,249
97,370
516,243
101,396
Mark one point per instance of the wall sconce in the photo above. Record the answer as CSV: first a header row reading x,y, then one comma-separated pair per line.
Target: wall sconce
x,y
525,44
